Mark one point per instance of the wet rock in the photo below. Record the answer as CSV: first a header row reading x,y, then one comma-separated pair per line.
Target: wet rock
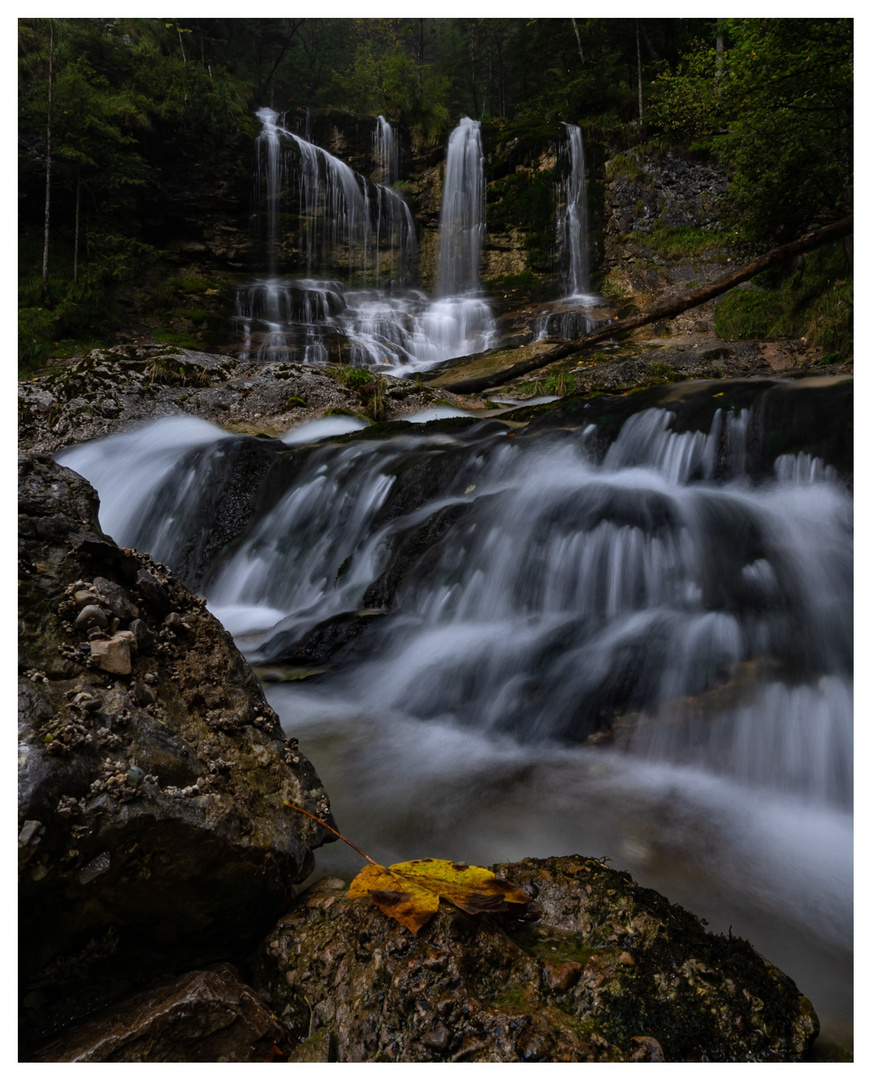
x,y
329,642
201,1016
608,971
157,777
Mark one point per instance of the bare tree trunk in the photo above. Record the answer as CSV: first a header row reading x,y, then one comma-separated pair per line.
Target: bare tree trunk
x,y
76,237
578,39
46,295
665,309
718,70
638,51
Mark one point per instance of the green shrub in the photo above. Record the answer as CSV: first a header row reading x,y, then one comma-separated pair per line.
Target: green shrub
x,y
36,325
746,313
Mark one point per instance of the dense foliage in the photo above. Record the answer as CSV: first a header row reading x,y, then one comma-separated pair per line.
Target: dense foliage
x,y
116,116
773,100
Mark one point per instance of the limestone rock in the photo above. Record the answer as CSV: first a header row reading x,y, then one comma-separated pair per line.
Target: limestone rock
x,y
608,972
201,1016
152,772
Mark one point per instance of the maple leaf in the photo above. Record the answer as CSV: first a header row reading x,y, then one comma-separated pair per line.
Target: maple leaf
x,y
410,891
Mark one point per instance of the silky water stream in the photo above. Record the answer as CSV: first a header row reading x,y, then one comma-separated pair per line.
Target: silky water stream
x,y
535,592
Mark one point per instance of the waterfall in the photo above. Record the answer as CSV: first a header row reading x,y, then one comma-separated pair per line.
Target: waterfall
x,y
350,228
385,153
461,230
642,650
345,220
572,228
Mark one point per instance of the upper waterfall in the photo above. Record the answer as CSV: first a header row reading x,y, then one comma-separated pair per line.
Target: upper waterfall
x,y
461,232
347,223
572,226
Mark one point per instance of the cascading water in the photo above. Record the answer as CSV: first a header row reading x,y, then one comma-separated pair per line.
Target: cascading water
x,y
642,652
385,152
572,317
461,233
352,227
572,229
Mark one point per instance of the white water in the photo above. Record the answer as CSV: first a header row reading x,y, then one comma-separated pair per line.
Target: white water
x,y
385,152
710,619
361,230
575,315
461,231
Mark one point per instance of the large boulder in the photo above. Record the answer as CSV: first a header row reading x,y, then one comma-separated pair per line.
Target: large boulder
x,y
608,971
153,775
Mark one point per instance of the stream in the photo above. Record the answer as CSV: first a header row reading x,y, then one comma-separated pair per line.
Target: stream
x,y
496,643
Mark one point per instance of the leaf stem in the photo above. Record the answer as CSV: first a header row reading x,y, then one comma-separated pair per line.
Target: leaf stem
x,y
335,832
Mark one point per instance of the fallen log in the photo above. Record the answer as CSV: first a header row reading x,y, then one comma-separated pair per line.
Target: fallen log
x,y
665,309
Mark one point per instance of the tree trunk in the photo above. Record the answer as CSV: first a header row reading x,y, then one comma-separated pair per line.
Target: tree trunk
x,y
638,52
578,39
76,236
46,294
665,309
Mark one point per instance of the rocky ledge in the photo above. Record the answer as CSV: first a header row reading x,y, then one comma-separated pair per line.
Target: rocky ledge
x,y
107,390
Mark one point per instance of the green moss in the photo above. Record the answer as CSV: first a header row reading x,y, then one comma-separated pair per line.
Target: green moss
x,y
193,286
172,337
684,243
625,165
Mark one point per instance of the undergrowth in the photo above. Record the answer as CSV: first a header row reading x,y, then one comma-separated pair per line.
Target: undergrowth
x,y
814,302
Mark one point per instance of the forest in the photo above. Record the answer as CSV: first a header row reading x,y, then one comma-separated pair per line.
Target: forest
x,y
118,116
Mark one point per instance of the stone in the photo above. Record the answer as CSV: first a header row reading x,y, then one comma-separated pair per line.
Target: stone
x,y
136,869
112,655
603,970
91,615
206,1016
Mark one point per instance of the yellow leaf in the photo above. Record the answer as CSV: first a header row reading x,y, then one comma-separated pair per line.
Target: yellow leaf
x,y
410,891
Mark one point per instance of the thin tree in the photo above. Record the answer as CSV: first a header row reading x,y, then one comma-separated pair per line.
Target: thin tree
x,y
46,295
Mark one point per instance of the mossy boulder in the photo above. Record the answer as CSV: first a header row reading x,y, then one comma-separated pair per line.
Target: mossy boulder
x,y
608,971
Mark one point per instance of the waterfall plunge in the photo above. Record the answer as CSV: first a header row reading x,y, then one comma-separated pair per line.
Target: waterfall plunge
x,y
572,317
461,232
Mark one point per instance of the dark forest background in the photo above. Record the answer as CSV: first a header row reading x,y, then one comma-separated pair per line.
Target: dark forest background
x,y
117,115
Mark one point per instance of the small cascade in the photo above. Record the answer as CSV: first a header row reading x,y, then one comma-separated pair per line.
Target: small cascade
x,y
347,222
572,227
504,599
385,152
461,230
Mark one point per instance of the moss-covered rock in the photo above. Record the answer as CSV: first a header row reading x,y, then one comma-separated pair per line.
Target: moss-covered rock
x,y
608,971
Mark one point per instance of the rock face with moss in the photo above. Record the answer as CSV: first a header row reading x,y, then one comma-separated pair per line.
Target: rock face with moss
x,y
608,971
152,772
